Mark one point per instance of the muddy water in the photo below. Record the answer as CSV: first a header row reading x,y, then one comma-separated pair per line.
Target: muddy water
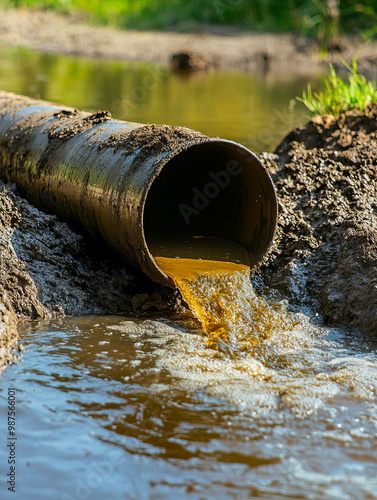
x,y
258,114
222,298
117,407
217,288
264,405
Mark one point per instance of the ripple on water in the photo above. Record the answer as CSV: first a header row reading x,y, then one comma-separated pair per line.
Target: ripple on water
x,y
168,415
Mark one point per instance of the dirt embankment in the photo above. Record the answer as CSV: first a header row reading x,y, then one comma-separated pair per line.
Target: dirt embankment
x,y
47,270
214,47
325,255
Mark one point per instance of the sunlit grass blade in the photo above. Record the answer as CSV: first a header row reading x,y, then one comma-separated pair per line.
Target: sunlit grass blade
x,y
339,95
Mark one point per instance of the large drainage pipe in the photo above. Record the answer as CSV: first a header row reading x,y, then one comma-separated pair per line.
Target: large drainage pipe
x,y
130,183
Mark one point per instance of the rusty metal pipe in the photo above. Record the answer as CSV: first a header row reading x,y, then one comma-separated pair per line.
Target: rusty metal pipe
x,y
128,183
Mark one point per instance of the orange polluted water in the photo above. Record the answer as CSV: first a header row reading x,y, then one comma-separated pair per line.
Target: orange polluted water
x,y
222,298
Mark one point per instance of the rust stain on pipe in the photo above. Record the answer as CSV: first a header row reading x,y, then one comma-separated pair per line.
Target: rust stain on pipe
x,y
129,183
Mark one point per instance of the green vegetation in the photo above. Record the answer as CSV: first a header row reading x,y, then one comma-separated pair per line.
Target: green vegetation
x,y
339,95
323,19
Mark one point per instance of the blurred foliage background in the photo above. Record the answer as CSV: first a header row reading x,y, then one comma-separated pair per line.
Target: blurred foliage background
x,y
323,19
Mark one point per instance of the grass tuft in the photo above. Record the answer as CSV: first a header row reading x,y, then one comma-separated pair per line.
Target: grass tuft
x,y
340,95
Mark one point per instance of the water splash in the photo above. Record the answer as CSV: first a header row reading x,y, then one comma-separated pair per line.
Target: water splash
x,y
222,298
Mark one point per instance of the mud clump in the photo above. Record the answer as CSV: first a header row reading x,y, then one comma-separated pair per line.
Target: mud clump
x,y
15,281
72,122
149,140
325,252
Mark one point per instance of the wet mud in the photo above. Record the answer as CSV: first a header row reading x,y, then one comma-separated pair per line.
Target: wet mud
x,y
324,256
47,270
325,253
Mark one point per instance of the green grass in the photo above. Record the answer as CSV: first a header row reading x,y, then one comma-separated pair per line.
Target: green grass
x,y
340,95
322,19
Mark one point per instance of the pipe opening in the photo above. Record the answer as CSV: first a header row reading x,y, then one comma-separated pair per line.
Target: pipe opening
x,y
216,190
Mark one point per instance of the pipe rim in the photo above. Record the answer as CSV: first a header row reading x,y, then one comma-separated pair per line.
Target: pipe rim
x,y
148,262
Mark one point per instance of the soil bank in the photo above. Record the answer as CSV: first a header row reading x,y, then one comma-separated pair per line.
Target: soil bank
x,y
220,47
325,253
324,256
47,270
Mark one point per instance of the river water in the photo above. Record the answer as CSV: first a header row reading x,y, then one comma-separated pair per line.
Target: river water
x,y
144,409
130,408
256,110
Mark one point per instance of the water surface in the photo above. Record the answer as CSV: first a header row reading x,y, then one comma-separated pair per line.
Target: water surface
x,y
254,109
143,409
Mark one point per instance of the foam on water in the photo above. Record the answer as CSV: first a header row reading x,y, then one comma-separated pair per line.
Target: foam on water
x,y
254,353
298,369
167,415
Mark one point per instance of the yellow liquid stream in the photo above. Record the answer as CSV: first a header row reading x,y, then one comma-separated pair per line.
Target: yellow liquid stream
x,y
222,298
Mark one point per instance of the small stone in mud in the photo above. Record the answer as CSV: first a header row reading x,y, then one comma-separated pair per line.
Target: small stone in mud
x,y
138,300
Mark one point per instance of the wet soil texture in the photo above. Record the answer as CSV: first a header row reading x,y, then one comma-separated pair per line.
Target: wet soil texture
x,y
325,254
